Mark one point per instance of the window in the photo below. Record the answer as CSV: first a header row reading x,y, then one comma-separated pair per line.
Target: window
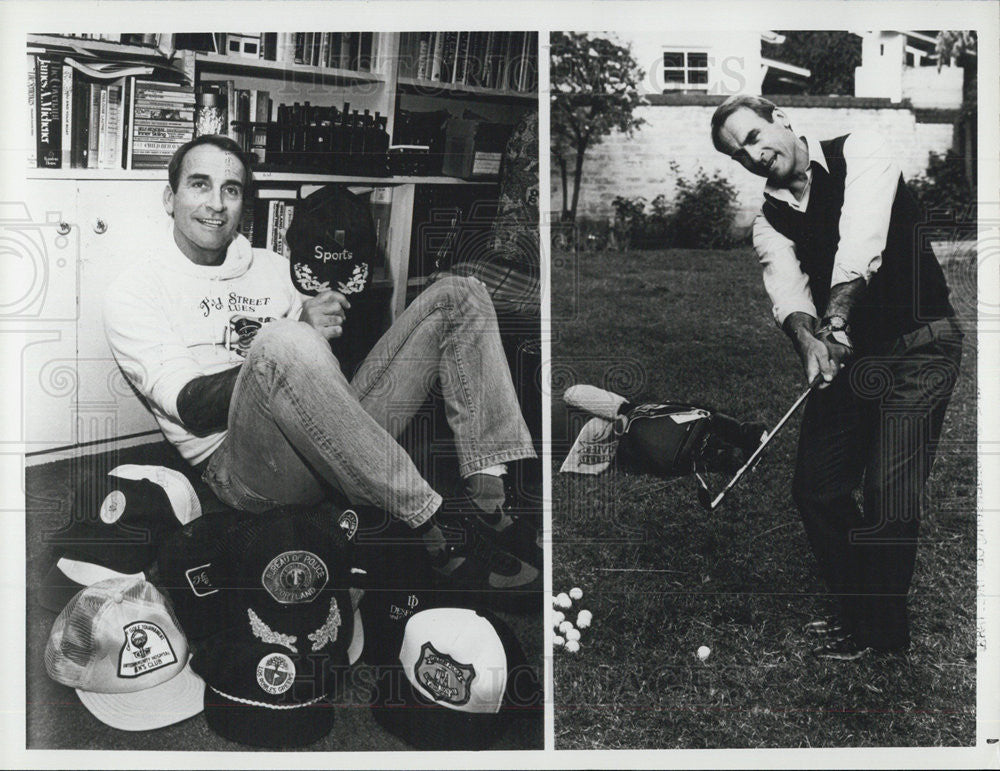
x,y
685,70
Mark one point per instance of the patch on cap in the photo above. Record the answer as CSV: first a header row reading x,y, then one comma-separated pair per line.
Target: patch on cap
x,y
200,581
295,577
113,507
145,649
349,523
275,673
443,677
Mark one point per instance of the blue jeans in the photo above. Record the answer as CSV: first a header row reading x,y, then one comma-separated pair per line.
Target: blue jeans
x,y
295,421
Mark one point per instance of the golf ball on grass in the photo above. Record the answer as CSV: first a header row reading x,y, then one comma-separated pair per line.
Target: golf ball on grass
x,y
576,593
563,601
565,626
558,617
704,652
572,634
583,619
558,641
572,646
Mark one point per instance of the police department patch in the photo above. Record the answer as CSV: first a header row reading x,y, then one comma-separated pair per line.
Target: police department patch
x,y
275,673
295,577
442,677
145,648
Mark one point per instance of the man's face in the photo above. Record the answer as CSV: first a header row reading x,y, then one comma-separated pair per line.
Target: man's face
x,y
207,205
766,148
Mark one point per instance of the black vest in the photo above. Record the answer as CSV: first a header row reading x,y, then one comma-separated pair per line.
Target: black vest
x,y
908,290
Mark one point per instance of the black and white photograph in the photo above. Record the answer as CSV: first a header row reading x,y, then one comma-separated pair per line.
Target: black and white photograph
x,y
282,411
764,443
432,384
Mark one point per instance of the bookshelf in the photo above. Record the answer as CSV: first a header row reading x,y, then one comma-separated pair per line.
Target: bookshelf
x,y
94,221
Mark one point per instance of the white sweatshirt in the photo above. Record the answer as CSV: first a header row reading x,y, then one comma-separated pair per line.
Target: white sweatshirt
x,y
169,320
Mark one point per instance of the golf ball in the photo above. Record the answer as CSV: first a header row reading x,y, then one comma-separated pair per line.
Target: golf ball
x,y
565,626
572,646
703,652
572,634
576,593
563,600
558,641
582,623
558,617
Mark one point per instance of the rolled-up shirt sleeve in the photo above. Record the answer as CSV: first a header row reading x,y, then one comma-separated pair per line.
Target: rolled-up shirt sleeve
x,y
786,284
869,191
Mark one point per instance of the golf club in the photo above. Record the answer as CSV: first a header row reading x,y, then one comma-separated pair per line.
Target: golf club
x,y
704,494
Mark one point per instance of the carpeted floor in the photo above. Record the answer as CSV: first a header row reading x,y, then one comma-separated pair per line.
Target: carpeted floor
x,y
57,720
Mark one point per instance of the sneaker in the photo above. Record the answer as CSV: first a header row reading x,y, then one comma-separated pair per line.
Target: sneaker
x,y
842,649
515,527
472,562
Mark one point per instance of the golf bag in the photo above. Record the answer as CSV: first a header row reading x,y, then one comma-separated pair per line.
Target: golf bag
x,y
668,439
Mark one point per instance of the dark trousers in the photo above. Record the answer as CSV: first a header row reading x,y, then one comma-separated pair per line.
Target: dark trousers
x,y
875,428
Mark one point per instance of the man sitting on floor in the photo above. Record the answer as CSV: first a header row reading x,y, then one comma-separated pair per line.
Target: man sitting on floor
x,y
274,421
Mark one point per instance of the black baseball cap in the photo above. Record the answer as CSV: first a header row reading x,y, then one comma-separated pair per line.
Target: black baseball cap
x,y
117,523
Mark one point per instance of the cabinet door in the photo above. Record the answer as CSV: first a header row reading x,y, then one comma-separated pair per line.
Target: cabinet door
x,y
117,221
38,311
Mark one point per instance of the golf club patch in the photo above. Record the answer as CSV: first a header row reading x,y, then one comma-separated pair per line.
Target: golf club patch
x,y
295,577
145,649
445,679
275,673
112,507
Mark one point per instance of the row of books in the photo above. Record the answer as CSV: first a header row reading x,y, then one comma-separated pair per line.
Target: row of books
x,y
499,60
103,115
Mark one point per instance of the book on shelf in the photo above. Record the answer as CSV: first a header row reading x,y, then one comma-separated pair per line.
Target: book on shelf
x,y
32,116
66,138
48,99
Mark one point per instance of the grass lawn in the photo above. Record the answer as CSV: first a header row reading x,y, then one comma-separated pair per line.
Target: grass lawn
x,y
663,577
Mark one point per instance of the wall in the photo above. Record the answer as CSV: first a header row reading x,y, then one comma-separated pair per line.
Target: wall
x,y
677,129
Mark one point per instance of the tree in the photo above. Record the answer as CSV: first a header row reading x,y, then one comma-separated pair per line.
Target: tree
x,y
961,48
594,92
830,56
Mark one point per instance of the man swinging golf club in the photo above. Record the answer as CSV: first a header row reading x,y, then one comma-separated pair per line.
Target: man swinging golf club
x,y
866,306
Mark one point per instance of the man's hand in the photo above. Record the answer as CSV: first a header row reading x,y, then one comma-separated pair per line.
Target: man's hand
x,y
326,313
818,360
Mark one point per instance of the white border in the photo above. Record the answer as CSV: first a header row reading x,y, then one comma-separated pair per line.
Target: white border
x,y
19,18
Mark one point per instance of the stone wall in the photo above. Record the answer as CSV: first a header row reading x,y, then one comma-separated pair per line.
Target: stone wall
x,y
677,130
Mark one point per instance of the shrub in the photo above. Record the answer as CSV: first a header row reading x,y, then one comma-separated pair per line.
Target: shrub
x,y
943,191
630,220
703,212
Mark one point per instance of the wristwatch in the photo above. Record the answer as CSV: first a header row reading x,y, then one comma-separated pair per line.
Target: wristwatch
x,y
837,328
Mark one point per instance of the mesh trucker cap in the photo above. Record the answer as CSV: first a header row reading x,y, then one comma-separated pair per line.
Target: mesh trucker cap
x,y
118,522
119,645
460,678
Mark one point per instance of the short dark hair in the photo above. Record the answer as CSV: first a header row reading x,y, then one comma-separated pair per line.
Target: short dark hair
x,y
225,144
763,107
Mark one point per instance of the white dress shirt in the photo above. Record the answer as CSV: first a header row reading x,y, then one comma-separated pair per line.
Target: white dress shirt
x,y
869,191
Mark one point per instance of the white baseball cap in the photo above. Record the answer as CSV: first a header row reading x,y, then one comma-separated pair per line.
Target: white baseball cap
x,y
462,677
119,645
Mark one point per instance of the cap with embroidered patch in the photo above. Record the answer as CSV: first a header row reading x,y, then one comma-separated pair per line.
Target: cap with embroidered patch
x,y
120,646
118,522
270,694
461,676
279,569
